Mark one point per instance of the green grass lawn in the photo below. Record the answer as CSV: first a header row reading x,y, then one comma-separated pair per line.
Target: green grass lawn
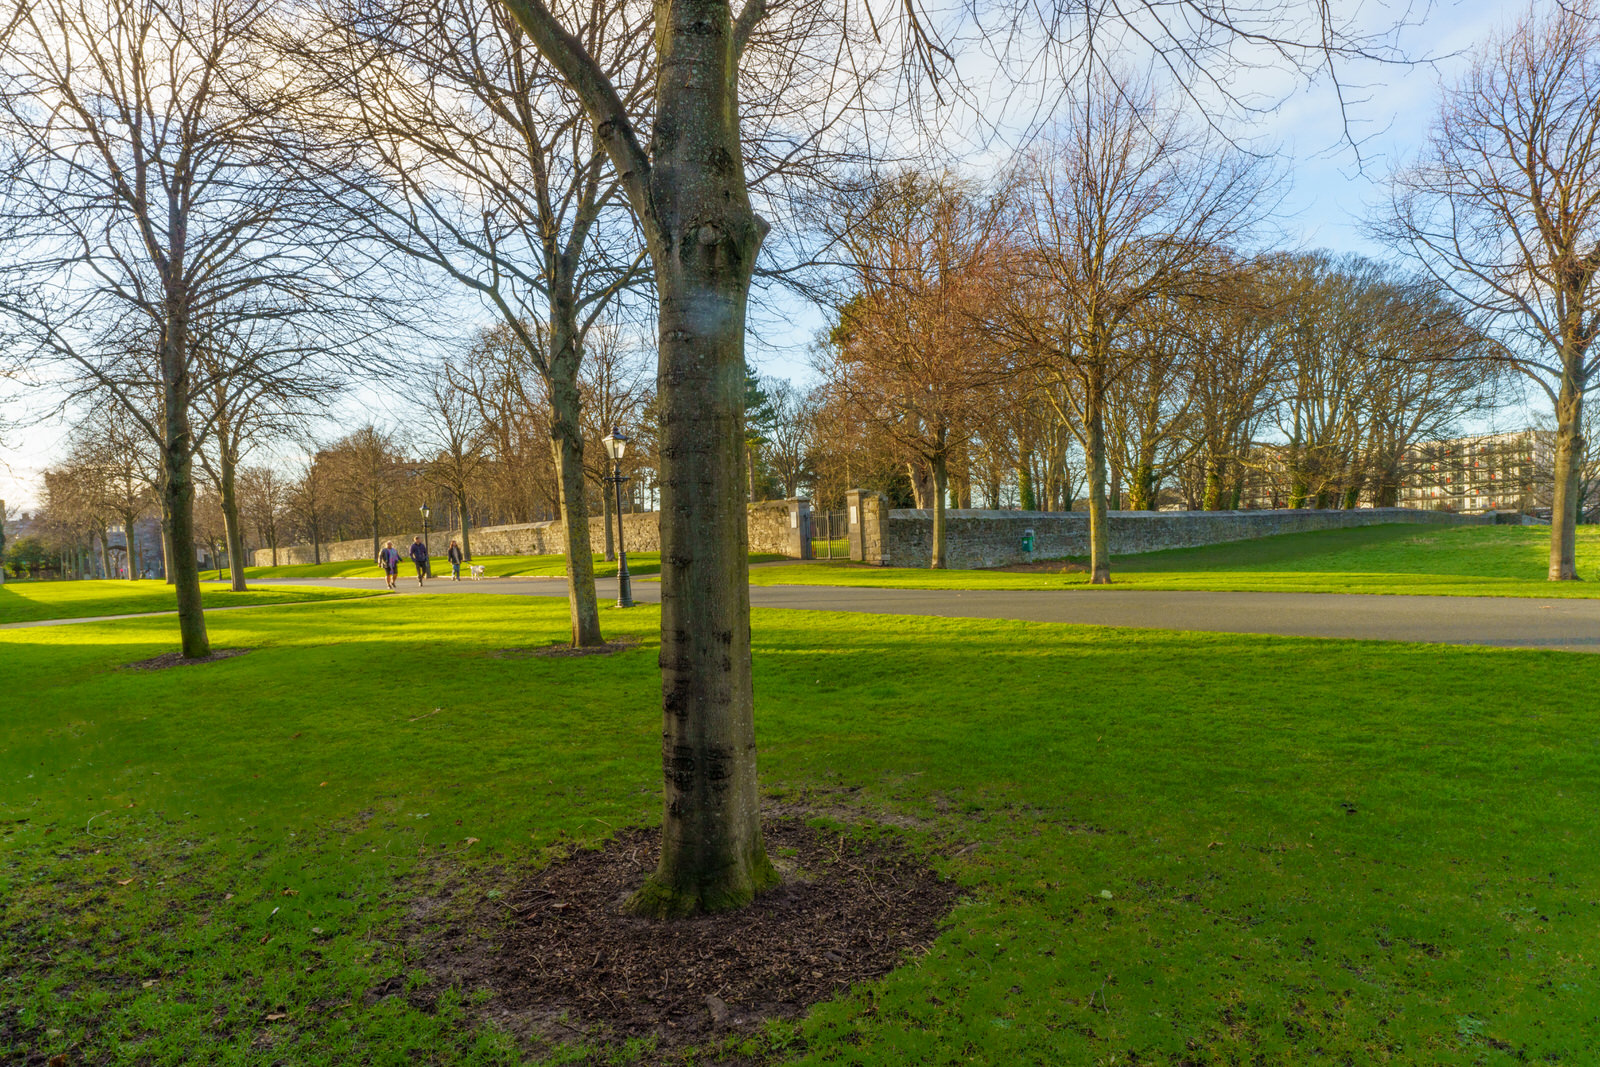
x,y
1434,560
1172,848
493,567
30,601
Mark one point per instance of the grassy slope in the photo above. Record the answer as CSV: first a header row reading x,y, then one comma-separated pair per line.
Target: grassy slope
x,y
30,601
1441,561
1316,851
493,567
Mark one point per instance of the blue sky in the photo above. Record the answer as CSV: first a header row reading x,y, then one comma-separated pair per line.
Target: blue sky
x,y
1332,187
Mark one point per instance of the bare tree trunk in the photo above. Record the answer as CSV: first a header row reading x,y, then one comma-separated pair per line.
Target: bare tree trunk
x,y
1212,501
376,535
129,536
713,857
177,486
105,552
316,541
1095,459
1569,468
1142,487
232,528
567,441
941,481
1025,494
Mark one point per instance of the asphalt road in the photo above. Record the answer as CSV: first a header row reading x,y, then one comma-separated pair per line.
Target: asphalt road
x,y
1509,622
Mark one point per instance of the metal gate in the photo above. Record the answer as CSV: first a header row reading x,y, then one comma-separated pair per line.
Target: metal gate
x,y
830,535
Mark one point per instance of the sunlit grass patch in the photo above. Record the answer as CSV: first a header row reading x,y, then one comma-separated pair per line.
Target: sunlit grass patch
x,y
1388,559
1206,847
31,601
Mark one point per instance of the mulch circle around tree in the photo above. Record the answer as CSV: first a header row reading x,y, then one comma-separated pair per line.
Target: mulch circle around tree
x,y
176,659
562,958
559,651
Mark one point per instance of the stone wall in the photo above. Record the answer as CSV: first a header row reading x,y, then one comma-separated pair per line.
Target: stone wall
x,y
771,531
995,538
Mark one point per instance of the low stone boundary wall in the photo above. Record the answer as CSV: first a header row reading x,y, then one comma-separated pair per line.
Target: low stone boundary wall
x,y
774,527
973,539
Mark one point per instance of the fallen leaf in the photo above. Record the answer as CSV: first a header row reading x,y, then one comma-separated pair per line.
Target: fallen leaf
x,y
275,1016
291,892
58,1060
472,840
316,929
264,939
321,784
148,982
124,881
293,736
227,896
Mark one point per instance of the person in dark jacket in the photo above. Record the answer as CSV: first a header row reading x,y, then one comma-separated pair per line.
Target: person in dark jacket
x,y
419,556
389,560
455,561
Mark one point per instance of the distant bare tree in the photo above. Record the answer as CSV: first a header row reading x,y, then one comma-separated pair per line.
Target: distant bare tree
x,y
310,497
365,467
453,445
155,187
910,354
790,443
1123,204
480,163
264,500
1503,209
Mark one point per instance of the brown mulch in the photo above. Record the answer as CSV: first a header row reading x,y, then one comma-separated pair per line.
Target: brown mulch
x,y
563,959
561,650
176,659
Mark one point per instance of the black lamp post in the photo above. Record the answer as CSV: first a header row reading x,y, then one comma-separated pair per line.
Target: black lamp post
x,y
616,443
427,568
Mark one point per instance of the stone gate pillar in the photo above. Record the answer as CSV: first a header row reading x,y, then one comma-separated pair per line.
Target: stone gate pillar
x,y
869,517
799,534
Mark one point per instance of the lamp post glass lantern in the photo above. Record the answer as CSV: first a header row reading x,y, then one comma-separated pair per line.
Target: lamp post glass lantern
x,y
616,443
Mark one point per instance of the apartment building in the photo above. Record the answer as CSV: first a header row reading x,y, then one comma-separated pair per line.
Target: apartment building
x,y
1487,472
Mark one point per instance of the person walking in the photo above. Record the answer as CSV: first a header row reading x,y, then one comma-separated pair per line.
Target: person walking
x,y
455,561
389,560
419,556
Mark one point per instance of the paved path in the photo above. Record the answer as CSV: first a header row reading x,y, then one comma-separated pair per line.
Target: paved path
x,y
1511,622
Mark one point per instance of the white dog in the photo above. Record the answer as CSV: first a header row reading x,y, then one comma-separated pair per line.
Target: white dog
x,y
477,572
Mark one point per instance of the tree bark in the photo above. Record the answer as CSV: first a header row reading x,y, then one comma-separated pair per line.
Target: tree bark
x,y
690,196
1095,459
1568,470
703,245
177,482
130,538
105,552
941,480
232,529
1212,500
566,439
1025,494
